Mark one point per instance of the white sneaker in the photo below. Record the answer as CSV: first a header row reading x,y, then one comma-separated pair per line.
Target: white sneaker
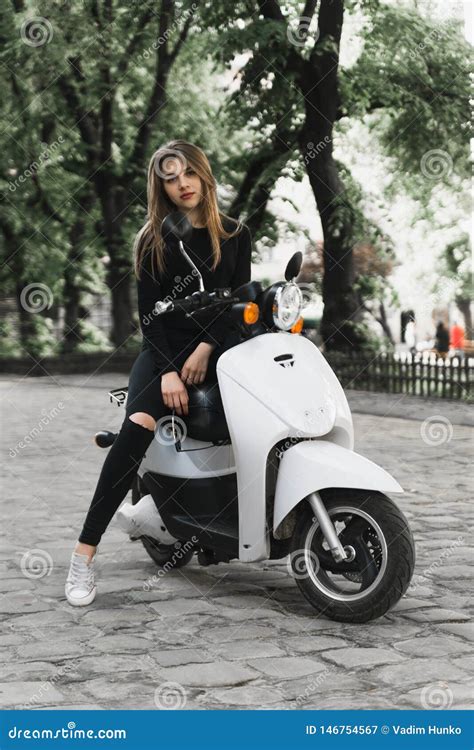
x,y
143,519
80,584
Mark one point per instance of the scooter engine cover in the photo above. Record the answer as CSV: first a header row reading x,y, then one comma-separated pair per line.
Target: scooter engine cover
x,y
289,375
206,419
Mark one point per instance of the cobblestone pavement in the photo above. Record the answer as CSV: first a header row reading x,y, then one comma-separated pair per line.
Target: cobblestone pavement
x,y
238,636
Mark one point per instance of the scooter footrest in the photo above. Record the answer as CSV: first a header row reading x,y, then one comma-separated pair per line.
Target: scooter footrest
x,y
118,395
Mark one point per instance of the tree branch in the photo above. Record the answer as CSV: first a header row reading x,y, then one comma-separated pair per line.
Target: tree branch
x,y
256,186
309,8
272,12
306,18
183,35
84,121
143,21
158,93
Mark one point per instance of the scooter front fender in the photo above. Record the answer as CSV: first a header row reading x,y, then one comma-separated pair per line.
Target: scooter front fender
x,y
314,465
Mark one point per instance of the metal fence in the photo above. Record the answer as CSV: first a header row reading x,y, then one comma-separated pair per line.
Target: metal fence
x,y
415,375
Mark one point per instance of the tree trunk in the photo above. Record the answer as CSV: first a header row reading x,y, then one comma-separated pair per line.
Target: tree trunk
x,y
72,286
113,204
71,332
14,259
464,306
319,85
382,319
26,320
341,311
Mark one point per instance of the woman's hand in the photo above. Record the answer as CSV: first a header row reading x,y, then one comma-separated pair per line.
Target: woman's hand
x,y
195,368
175,395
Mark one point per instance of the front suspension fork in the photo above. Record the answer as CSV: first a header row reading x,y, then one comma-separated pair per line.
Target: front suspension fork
x,y
327,527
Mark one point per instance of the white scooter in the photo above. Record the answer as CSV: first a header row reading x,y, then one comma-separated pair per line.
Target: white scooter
x,y
263,466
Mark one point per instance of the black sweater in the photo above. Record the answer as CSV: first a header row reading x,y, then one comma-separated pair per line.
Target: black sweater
x,y
168,335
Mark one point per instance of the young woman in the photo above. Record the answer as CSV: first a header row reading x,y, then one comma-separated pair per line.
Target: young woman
x,y
178,353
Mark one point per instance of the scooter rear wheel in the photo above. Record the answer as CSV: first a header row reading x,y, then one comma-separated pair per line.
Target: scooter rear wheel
x,y
377,536
164,555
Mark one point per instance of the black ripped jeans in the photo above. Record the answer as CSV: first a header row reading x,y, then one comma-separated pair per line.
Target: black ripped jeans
x,y
130,445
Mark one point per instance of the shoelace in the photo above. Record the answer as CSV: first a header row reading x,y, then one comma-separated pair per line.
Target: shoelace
x,y
81,573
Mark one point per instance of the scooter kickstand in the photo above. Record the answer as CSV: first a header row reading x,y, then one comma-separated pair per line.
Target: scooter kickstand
x,y
327,527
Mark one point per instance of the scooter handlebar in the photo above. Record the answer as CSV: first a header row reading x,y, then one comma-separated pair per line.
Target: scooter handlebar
x,y
196,301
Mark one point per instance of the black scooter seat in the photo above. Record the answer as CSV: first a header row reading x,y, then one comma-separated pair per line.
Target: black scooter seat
x,y
206,418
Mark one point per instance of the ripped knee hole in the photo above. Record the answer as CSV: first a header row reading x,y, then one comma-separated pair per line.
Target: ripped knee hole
x,y
143,419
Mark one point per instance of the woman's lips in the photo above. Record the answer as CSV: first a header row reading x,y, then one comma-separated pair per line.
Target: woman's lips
x,y
185,196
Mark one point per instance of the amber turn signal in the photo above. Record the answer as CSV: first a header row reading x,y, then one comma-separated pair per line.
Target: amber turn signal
x,y
251,313
298,326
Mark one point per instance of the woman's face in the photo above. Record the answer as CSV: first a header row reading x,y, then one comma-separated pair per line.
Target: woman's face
x,y
181,184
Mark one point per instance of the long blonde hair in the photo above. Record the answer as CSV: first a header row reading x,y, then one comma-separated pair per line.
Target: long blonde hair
x,y
160,205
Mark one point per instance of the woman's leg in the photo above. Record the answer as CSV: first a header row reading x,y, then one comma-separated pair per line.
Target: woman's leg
x,y
116,476
144,407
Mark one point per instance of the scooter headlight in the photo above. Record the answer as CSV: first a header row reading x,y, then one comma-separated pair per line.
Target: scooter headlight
x,y
287,305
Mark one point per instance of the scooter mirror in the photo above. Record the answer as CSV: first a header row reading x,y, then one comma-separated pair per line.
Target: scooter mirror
x,y
176,226
294,266
248,292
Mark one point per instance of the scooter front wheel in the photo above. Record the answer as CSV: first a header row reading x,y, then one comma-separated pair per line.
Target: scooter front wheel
x,y
164,555
378,540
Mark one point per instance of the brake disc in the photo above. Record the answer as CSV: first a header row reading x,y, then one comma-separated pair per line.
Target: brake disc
x,y
356,576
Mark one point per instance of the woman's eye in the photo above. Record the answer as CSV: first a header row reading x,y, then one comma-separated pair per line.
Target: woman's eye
x,y
190,171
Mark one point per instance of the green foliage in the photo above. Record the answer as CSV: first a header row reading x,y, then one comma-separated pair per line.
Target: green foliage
x,y
457,265
8,345
41,342
39,207
412,82
92,339
371,343
409,84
